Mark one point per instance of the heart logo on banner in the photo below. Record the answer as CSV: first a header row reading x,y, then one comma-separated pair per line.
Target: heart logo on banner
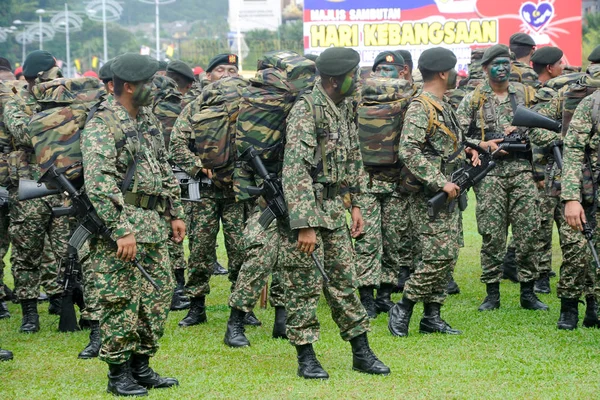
x,y
538,15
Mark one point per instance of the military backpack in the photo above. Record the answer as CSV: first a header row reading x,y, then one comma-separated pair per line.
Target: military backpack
x,y
8,89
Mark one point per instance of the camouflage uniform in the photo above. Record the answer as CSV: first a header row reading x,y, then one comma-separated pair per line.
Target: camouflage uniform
x,y
4,245
520,72
133,313
508,194
316,203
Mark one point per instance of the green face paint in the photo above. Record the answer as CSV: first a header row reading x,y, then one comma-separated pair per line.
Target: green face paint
x,y
452,76
499,69
348,85
387,71
142,95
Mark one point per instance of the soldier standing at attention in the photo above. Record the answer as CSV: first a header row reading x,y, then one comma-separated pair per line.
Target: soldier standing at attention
x,y
523,46
131,185
314,169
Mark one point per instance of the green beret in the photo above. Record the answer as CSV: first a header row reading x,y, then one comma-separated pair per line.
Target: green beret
x,y
162,65
388,57
105,73
594,56
311,57
407,57
497,50
337,61
222,59
182,69
37,61
521,39
547,55
437,59
133,67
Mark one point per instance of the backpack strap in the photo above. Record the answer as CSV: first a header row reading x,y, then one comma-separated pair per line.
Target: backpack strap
x,y
434,123
322,137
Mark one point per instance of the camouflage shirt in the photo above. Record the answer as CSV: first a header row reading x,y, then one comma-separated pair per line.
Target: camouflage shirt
x,y
17,113
344,165
180,137
107,155
520,72
167,104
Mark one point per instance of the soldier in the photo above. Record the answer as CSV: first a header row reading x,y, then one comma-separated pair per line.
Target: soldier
x,y
523,46
431,157
162,68
138,211
407,70
508,194
389,64
317,212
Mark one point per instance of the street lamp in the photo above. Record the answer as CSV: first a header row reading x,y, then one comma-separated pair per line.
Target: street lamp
x,y
4,33
37,30
40,12
157,3
104,10
23,38
67,21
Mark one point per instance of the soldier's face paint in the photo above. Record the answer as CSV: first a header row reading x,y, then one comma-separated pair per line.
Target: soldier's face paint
x,y
499,69
349,84
452,76
142,95
388,71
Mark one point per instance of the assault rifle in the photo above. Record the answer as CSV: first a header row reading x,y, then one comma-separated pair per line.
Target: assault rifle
x,y
3,197
514,142
465,177
272,191
190,186
588,232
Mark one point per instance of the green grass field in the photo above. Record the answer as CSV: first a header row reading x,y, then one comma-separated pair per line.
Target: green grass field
x,y
505,354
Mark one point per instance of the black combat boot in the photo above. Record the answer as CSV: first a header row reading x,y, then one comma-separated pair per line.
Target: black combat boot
x,y
432,322
42,297
591,312
569,314
179,301
542,284
383,302
250,319
399,317
452,287
234,336
55,306
402,278
363,358
509,267
31,319
4,310
492,300
529,300
121,383
146,377
85,324
6,355
367,300
279,325
218,269
308,365
197,313
93,348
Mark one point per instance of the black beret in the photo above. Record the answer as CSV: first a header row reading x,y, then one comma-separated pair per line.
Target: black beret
x,y
388,57
162,65
337,61
437,59
522,39
311,57
37,61
226,58
182,69
595,55
547,55
497,50
406,55
133,67
105,73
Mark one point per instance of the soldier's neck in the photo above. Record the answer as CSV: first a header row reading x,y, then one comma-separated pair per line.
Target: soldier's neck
x,y
435,88
525,60
499,87
544,77
127,103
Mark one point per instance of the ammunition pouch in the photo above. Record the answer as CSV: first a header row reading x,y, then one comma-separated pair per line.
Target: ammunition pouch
x,y
146,202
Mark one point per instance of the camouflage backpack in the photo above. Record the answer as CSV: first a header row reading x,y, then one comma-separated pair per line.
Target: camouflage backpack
x,y
166,104
56,129
7,90
380,117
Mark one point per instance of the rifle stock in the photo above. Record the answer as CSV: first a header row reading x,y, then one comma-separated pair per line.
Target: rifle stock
x,y
531,119
30,189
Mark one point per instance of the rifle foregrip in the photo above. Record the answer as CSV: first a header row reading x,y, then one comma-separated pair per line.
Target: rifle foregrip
x,y
557,156
436,203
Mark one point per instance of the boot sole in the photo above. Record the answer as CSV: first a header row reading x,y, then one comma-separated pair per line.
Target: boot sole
x,y
323,378
127,395
370,372
564,328
236,346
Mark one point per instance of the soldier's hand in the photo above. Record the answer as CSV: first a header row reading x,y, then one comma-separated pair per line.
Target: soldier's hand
x,y
541,184
492,145
474,154
452,190
207,172
307,239
358,224
575,215
178,228
126,248
509,129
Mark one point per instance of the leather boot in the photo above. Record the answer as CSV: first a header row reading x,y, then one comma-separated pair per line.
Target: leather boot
x,y
6,355
529,300
591,312
234,336
308,365
4,310
542,284
363,358
399,317
146,377
279,325
85,324
93,348
31,319
367,300
383,301
452,287
402,278
492,300
197,313
55,306
43,297
179,301
121,383
509,267
569,314
432,322
218,269
250,319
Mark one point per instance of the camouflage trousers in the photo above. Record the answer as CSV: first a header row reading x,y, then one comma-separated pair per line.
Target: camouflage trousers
x,y
303,285
504,201
401,241
50,278
176,255
4,245
91,296
437,253
133,313
30,222
265,251
548,208
205,217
